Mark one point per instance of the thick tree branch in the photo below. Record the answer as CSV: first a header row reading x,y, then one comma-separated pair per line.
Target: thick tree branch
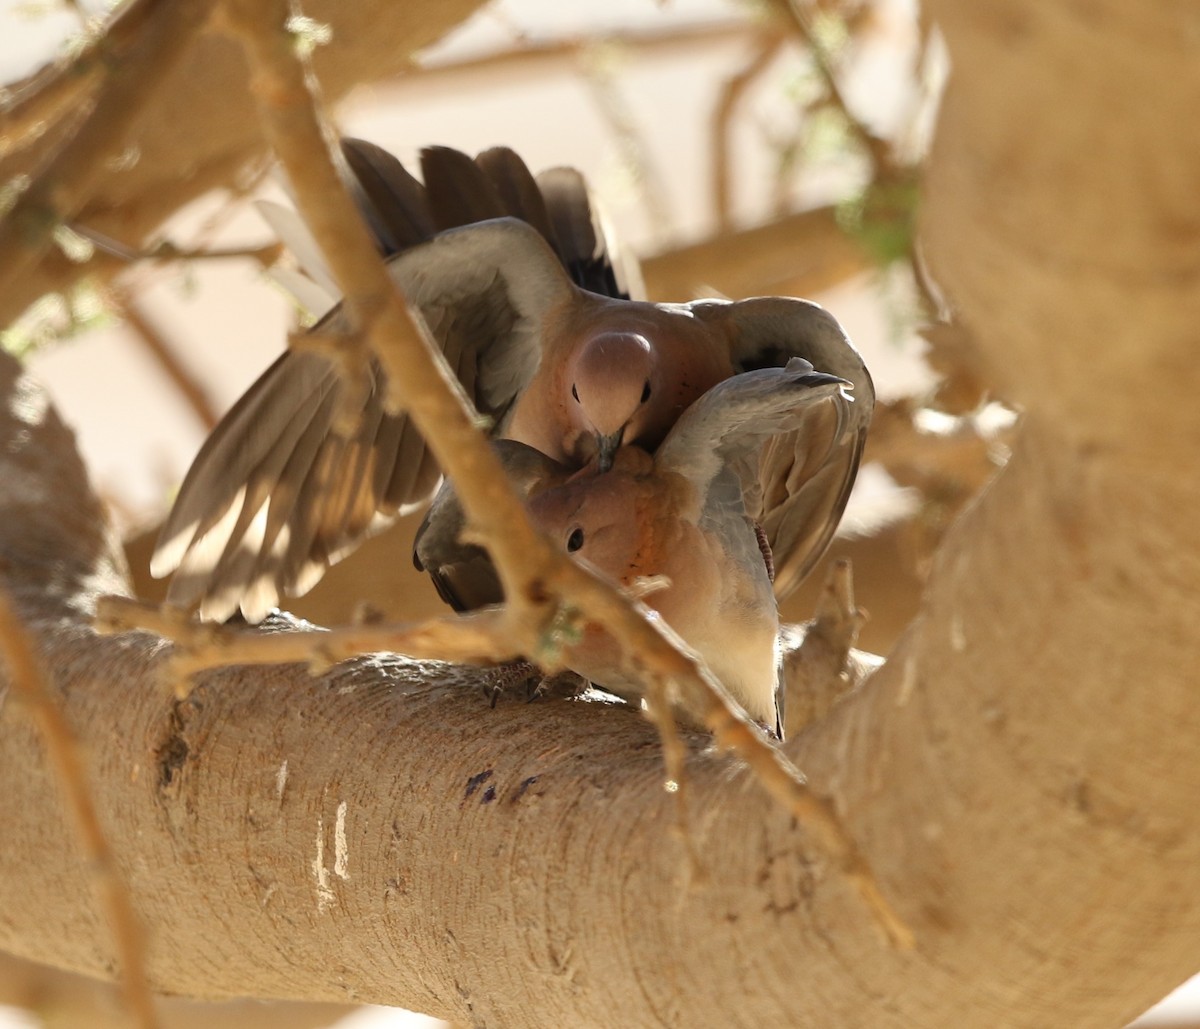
x,y
798,255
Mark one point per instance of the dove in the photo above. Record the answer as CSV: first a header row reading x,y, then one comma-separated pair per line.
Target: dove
x,y
526,300
680,513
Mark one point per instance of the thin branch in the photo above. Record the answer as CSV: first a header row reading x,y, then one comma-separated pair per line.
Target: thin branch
x,y
168,361
596,66
28,683
166,250
529,54
542,584
65,183
482,637
732,92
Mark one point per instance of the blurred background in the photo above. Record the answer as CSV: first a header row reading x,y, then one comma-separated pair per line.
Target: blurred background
x,y
738,148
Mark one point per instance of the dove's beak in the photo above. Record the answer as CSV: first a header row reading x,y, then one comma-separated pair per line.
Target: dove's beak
x,y
607,447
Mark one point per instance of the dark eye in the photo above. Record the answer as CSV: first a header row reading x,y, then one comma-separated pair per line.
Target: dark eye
x,y
575,393
575,541
646,391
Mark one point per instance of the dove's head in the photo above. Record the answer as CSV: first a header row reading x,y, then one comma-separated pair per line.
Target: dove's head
x,y
613,378
609,518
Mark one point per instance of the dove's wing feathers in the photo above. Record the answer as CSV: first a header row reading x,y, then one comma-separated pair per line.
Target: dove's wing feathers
x,y
584,240
485,291
737,415
803,479
390,198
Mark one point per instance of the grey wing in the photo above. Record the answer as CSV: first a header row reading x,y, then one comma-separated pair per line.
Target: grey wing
x,y
462,572
798,484
274,496
734,418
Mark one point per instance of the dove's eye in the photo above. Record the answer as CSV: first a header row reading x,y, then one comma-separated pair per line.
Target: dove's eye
x,y
575,393
575,541
646,391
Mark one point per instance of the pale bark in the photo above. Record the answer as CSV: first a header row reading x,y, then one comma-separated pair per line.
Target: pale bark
x,y
1022,774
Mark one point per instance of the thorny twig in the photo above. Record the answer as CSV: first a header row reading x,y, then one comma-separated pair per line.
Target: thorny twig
x,y
28,682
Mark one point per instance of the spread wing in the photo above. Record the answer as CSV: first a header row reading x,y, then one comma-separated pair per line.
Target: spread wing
x,y
274,495
798,487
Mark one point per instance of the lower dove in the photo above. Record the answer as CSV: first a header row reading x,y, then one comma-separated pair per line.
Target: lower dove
x,y
680,513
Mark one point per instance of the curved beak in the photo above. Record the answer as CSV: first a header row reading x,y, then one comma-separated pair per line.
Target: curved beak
x,y
607,447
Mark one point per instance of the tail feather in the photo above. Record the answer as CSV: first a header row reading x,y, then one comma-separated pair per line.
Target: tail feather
x,y
459,192
393,202
519,192
582,236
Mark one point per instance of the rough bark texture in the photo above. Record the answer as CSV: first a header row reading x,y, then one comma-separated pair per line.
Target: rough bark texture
x,y
1019,773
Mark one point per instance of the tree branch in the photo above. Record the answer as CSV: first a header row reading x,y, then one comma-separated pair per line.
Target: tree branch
x,y
56,89
199,131
66,182
798,255
26,681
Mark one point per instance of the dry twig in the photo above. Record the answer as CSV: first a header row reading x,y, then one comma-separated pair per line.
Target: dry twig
x,y
532,53
732,92
165,250
596,66
477,638
168,361
27,682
